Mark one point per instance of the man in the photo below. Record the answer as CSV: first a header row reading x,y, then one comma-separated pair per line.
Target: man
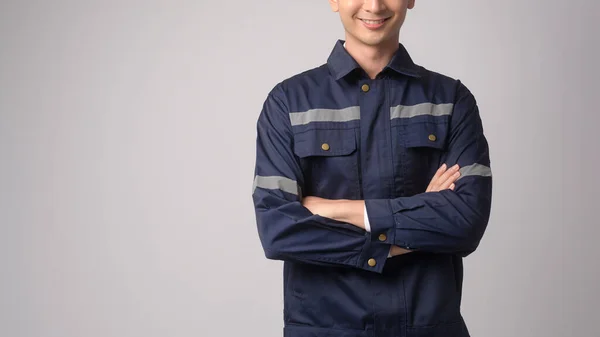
x,y
372,183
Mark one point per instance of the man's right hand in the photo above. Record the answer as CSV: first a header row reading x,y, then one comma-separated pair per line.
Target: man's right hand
x,y
444,178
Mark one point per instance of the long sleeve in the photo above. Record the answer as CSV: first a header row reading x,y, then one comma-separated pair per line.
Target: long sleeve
x,y
448,221
288,230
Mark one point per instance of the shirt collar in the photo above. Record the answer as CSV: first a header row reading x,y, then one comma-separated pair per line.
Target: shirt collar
x,y
341,63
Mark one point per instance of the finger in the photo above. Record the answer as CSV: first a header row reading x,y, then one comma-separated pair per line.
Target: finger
x,y
444,181
451,171
440,171
435,181
436,176
448,182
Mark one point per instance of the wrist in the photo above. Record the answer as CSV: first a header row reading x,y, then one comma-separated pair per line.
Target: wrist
x,y
350,211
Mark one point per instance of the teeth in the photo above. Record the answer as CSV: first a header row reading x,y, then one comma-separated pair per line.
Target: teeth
x,y
373,22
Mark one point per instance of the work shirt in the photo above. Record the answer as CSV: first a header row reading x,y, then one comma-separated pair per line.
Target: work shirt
x,y
335,133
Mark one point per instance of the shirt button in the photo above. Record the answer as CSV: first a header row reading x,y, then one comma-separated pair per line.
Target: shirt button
x,y
325,147
365,87
432,137
372,262
382,237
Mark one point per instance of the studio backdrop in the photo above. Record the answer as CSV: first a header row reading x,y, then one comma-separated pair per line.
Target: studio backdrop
x,y
127,148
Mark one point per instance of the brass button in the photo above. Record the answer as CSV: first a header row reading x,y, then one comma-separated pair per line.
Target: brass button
x,y
365,87
372,262
325,147
382,237
432,137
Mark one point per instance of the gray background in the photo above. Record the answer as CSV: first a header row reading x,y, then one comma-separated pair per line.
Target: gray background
x,y
127,135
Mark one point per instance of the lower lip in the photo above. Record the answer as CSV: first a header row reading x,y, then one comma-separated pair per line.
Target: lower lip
x,y
374,26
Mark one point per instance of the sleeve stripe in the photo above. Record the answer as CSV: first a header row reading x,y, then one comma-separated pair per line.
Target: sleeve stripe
x,y
276,183
475,170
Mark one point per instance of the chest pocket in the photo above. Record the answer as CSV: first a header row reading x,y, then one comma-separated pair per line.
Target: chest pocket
x,y
419,146
329,160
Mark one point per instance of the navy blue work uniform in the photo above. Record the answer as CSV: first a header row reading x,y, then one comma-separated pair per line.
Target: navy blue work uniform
x,y
334,133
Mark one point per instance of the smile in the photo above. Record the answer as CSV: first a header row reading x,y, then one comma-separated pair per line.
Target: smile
x,y
373,24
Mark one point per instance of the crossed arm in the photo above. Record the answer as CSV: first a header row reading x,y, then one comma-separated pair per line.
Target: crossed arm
x,y
353,211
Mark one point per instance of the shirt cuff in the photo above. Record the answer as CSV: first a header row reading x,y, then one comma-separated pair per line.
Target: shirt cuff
x,y
367,224
368,229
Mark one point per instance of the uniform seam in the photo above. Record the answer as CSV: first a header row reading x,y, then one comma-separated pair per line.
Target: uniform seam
x,y
387,109
405,308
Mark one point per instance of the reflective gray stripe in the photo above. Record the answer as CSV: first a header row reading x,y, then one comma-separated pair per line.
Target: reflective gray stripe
x,y
325,115
276,183
408,111
475,170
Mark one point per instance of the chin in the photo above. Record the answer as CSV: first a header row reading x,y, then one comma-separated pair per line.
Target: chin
x,y
373,41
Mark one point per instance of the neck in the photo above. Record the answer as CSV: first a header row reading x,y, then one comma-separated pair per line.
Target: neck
x,y
372,59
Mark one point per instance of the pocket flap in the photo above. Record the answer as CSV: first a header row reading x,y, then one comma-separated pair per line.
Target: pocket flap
x,y
426,134
325,142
